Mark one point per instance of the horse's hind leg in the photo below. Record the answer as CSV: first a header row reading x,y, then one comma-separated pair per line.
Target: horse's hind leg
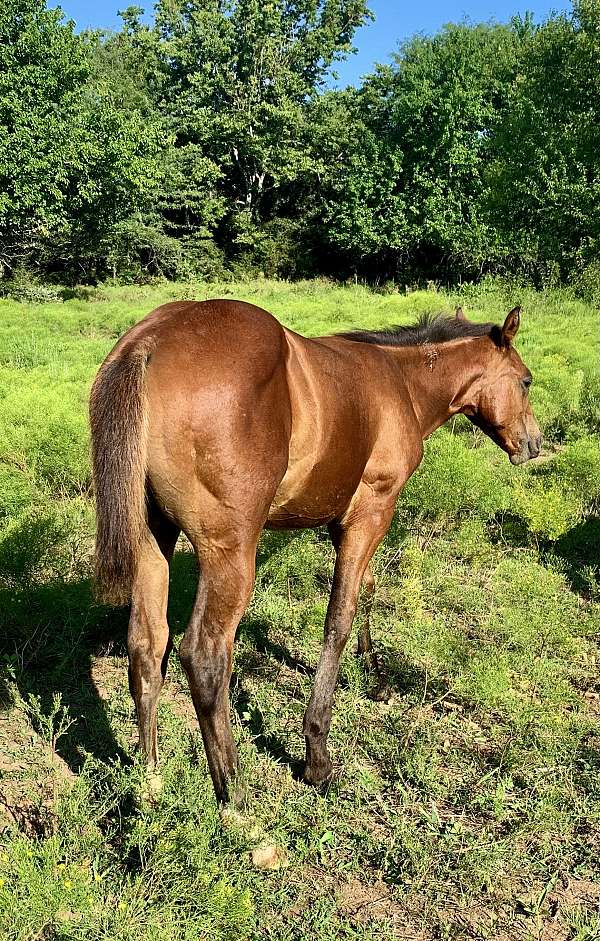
x,y
206,651
365,650
365,643
148,640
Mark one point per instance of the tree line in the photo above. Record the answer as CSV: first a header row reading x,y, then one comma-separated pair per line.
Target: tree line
x,y
208,138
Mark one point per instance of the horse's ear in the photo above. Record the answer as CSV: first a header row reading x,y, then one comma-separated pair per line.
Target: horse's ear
x,y
460,314
511,326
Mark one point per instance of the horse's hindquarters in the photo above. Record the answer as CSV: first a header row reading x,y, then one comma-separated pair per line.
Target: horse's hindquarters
x,y
218,435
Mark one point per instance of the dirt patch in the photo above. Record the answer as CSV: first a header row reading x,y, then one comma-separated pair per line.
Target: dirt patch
x,y
32,777
531,915
367,903
534,913
180,702
108,674
364,903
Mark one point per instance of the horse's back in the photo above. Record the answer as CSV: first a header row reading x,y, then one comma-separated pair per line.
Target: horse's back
x,y
226,328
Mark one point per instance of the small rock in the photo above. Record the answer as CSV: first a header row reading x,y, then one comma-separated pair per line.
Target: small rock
x,y
269,856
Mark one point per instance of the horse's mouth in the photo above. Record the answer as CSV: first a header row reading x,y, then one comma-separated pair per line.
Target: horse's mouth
x,y
529,450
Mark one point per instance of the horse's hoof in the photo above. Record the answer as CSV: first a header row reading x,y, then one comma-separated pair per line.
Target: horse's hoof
x,y
232,793
236,796
244,825
318,775
231,818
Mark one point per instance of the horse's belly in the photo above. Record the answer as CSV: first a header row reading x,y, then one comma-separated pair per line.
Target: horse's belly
x,y
312,496
295,516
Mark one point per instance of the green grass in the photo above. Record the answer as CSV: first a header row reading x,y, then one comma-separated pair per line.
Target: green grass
x,y
468,807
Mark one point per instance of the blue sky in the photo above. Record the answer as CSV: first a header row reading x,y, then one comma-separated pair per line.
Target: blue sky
x,y
394,20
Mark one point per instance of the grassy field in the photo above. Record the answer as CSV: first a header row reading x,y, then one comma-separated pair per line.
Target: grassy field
x,y
466,807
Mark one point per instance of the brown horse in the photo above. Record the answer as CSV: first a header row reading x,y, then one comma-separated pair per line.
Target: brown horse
x,y
214,419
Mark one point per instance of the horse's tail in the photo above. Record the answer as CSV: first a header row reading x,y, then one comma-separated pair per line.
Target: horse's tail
x,y
118,420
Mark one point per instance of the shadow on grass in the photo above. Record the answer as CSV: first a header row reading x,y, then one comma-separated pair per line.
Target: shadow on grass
x,y
265,742
579,552
509,528
408,680
577,549
256,630
51,634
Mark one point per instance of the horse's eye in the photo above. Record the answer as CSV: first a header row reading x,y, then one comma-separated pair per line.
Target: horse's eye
x,y
527,381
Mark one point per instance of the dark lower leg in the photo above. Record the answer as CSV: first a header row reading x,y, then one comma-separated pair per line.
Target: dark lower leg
x,y
206,653
221,754
209,675
367,653
317,720
354,548
365,644
340,614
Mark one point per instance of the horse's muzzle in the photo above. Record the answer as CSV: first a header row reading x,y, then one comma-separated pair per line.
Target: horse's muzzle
x,y
530,448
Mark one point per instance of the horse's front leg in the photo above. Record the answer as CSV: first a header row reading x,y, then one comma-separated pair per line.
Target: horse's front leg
x,y
355,543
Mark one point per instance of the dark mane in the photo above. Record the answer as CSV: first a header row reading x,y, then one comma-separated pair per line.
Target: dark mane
x,y
429,328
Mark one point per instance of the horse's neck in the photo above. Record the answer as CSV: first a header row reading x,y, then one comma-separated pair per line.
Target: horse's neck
x,y
439,378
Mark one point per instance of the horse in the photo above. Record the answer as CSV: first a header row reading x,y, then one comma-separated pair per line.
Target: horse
x,y
214,419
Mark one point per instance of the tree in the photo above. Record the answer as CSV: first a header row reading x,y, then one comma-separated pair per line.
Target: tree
x,y
233,81
410,187
208,137
42,71
544,181
72,163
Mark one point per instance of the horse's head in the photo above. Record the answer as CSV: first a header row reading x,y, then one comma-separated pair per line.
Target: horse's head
x,y
498,402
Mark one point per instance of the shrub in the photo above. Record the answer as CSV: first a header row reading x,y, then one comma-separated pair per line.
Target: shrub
x,y
138,250
277,249
25,286
31,543
586,282
556,495
17,491
546,510
455,479
589,401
